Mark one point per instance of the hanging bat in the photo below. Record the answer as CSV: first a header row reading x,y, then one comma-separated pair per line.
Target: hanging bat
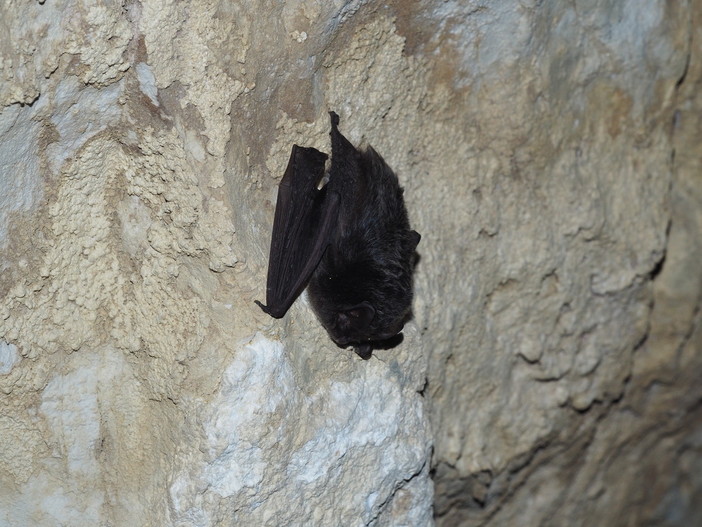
x,y
350,242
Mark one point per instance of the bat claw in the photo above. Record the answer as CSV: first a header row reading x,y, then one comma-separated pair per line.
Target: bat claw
x,y
268,310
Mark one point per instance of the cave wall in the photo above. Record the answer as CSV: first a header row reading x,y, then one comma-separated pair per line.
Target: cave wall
x,y
549,153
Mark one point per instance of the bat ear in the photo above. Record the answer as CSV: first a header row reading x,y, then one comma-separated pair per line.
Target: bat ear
x,y
364,351
414,238
357,318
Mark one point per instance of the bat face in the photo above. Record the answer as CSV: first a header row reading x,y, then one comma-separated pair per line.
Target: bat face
x,y
349,241
365,303
355,324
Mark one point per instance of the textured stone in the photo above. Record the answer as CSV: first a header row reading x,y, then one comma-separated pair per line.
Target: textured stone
x,y
550,157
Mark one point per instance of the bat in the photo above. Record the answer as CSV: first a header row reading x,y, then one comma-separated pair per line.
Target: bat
x,y
349,242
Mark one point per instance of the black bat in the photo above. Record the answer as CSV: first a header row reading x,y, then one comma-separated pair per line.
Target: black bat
x,y
350,241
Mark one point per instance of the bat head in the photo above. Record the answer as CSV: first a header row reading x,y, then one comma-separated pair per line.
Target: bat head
x,y
360,309
358,325
362,292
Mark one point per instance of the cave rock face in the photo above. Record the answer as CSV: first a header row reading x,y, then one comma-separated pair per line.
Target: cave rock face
x,y
549,153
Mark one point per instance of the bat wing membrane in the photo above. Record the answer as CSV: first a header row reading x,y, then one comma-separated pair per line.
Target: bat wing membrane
x,y
305,219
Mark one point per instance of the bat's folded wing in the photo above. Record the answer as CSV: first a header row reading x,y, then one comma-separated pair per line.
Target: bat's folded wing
x,y
305,218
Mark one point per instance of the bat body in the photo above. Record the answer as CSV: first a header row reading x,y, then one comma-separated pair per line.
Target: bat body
x,y
349,241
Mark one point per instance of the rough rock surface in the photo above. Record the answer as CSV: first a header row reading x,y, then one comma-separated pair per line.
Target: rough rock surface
x,y
550,157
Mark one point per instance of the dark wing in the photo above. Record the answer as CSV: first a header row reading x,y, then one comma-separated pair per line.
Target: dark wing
x,y
305,218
